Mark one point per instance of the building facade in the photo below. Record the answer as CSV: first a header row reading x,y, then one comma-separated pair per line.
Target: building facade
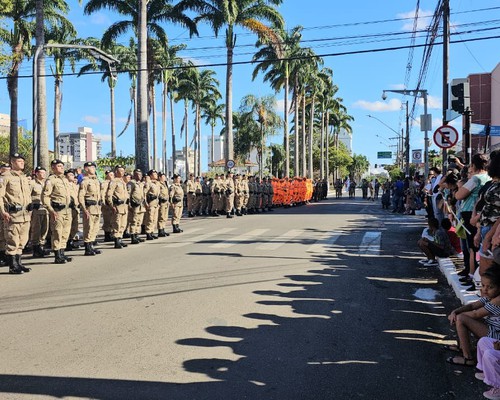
x,y
81,146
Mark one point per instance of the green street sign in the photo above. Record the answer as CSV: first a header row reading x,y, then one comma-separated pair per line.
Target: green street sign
x,y
384,154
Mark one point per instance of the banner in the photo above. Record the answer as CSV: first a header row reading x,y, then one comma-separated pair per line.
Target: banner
x,y
480,130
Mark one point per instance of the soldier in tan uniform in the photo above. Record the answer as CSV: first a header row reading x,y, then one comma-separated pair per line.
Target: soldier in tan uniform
x,y
217,189
56,197
106,209
89,198
206,205
117,197
137,207
176,196
191,195
163,199
229,195
4,167
238,194
246,195
152,191
75,211
39,214
15,198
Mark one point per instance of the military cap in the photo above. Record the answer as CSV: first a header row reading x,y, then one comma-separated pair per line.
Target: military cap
x,y
126,174
137,170
17,156
4,165
56,161
70,171
152,171
175,176
89,164
40,168
161,174
119,166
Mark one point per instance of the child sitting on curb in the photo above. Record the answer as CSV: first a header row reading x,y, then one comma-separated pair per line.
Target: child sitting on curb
x,y
439,247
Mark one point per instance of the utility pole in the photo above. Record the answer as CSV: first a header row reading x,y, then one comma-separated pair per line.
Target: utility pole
x,y
446,47
407,142
41,150
142,140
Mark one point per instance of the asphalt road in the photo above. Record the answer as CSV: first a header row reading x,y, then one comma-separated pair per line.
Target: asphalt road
x,y
325,301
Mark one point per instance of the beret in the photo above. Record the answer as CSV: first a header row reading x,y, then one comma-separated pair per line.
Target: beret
x,y
17,156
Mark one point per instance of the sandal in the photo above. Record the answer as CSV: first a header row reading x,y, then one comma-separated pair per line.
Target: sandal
x,y
462,361
452,347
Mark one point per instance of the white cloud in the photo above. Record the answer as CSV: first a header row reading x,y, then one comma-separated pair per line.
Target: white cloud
x,y
100,19
193,60
422,21
390,105
433,102
91,119
280,105
397,86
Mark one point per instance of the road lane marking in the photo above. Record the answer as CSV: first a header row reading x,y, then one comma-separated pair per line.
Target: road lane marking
x,y
370,244
279,241
324,242
239,239
200,238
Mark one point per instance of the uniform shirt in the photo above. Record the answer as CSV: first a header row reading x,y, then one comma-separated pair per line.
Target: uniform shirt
x,y
152,190
137,195
198,188
218,186
15,191
117,192
58,190
230,185
36,191
164,195
104,190
177,193
90,191
190,186
74,193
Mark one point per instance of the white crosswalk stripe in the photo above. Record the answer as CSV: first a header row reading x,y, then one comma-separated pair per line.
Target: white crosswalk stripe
x,y
239,239
277,242
370,244
324,242
200,238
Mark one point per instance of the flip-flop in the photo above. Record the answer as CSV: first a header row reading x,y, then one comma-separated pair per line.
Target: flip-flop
x,y
452,347
465,362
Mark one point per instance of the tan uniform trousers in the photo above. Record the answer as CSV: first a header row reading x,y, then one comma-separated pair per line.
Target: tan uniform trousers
x,y
151,218
60,229
16,236
2,236
191,201
229,202
136,216
176,213
39,227
246,199
75,219
91,227
107,215
163,215
216,202
238,201
118,223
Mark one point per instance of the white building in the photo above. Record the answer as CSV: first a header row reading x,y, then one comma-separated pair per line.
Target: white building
x,y
218,148
346,138
180,164
82,146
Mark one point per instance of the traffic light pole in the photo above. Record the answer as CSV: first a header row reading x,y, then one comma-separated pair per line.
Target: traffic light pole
x,y
466,134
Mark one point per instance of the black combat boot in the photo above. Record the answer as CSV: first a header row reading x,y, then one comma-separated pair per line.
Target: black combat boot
x,y
69,245
141,240
59,258
149,236
228,215
108,237
118,244
96,251
14,268
134,239
179,229
68,259
17,258
190,214
3,259
126,235
162,233
176,229
238,213
38,251
123,244
88,249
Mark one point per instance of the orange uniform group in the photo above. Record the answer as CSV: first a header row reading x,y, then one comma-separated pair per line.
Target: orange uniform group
x,y
292,191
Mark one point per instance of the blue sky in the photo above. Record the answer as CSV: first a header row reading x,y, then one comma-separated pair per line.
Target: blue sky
x,y
361,78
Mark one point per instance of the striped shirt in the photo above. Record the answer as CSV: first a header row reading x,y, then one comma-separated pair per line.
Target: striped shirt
x,y
492,320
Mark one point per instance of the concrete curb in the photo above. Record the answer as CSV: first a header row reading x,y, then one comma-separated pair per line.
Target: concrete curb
x,y
448,269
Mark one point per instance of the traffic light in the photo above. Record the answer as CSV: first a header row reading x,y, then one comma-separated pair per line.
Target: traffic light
x,y
460,100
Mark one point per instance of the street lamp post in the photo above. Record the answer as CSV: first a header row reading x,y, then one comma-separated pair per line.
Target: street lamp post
x,y
425,121
94,51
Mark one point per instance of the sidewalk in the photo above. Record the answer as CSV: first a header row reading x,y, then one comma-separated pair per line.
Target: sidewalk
x,y
448,269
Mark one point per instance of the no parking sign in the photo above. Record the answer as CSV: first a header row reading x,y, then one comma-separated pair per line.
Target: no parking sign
x,y
416,156
446,136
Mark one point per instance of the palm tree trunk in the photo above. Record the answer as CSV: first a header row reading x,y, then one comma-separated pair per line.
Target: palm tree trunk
x,y
212,150
285,128
311,131
296,150
153,112
304,168
198,128
57,113
229,145
111,84
12,86
172,120
142,144
322,148
164,127
43,145
186,131
327,139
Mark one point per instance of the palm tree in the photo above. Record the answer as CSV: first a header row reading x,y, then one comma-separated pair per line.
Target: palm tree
x,y
340,121
276,66
248,14
145,19
64,35
212,111
21,15
263,111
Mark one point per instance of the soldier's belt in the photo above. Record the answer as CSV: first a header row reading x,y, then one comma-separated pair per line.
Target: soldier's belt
x,y
151,197
89,203
118,202
162,200
57,206
14,208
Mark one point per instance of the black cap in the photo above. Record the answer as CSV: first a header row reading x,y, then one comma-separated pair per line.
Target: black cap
x,y
152,171
69,171
56,161
119,166
175,176
40,168
137,170
5,165
161,174
90,164
17,156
